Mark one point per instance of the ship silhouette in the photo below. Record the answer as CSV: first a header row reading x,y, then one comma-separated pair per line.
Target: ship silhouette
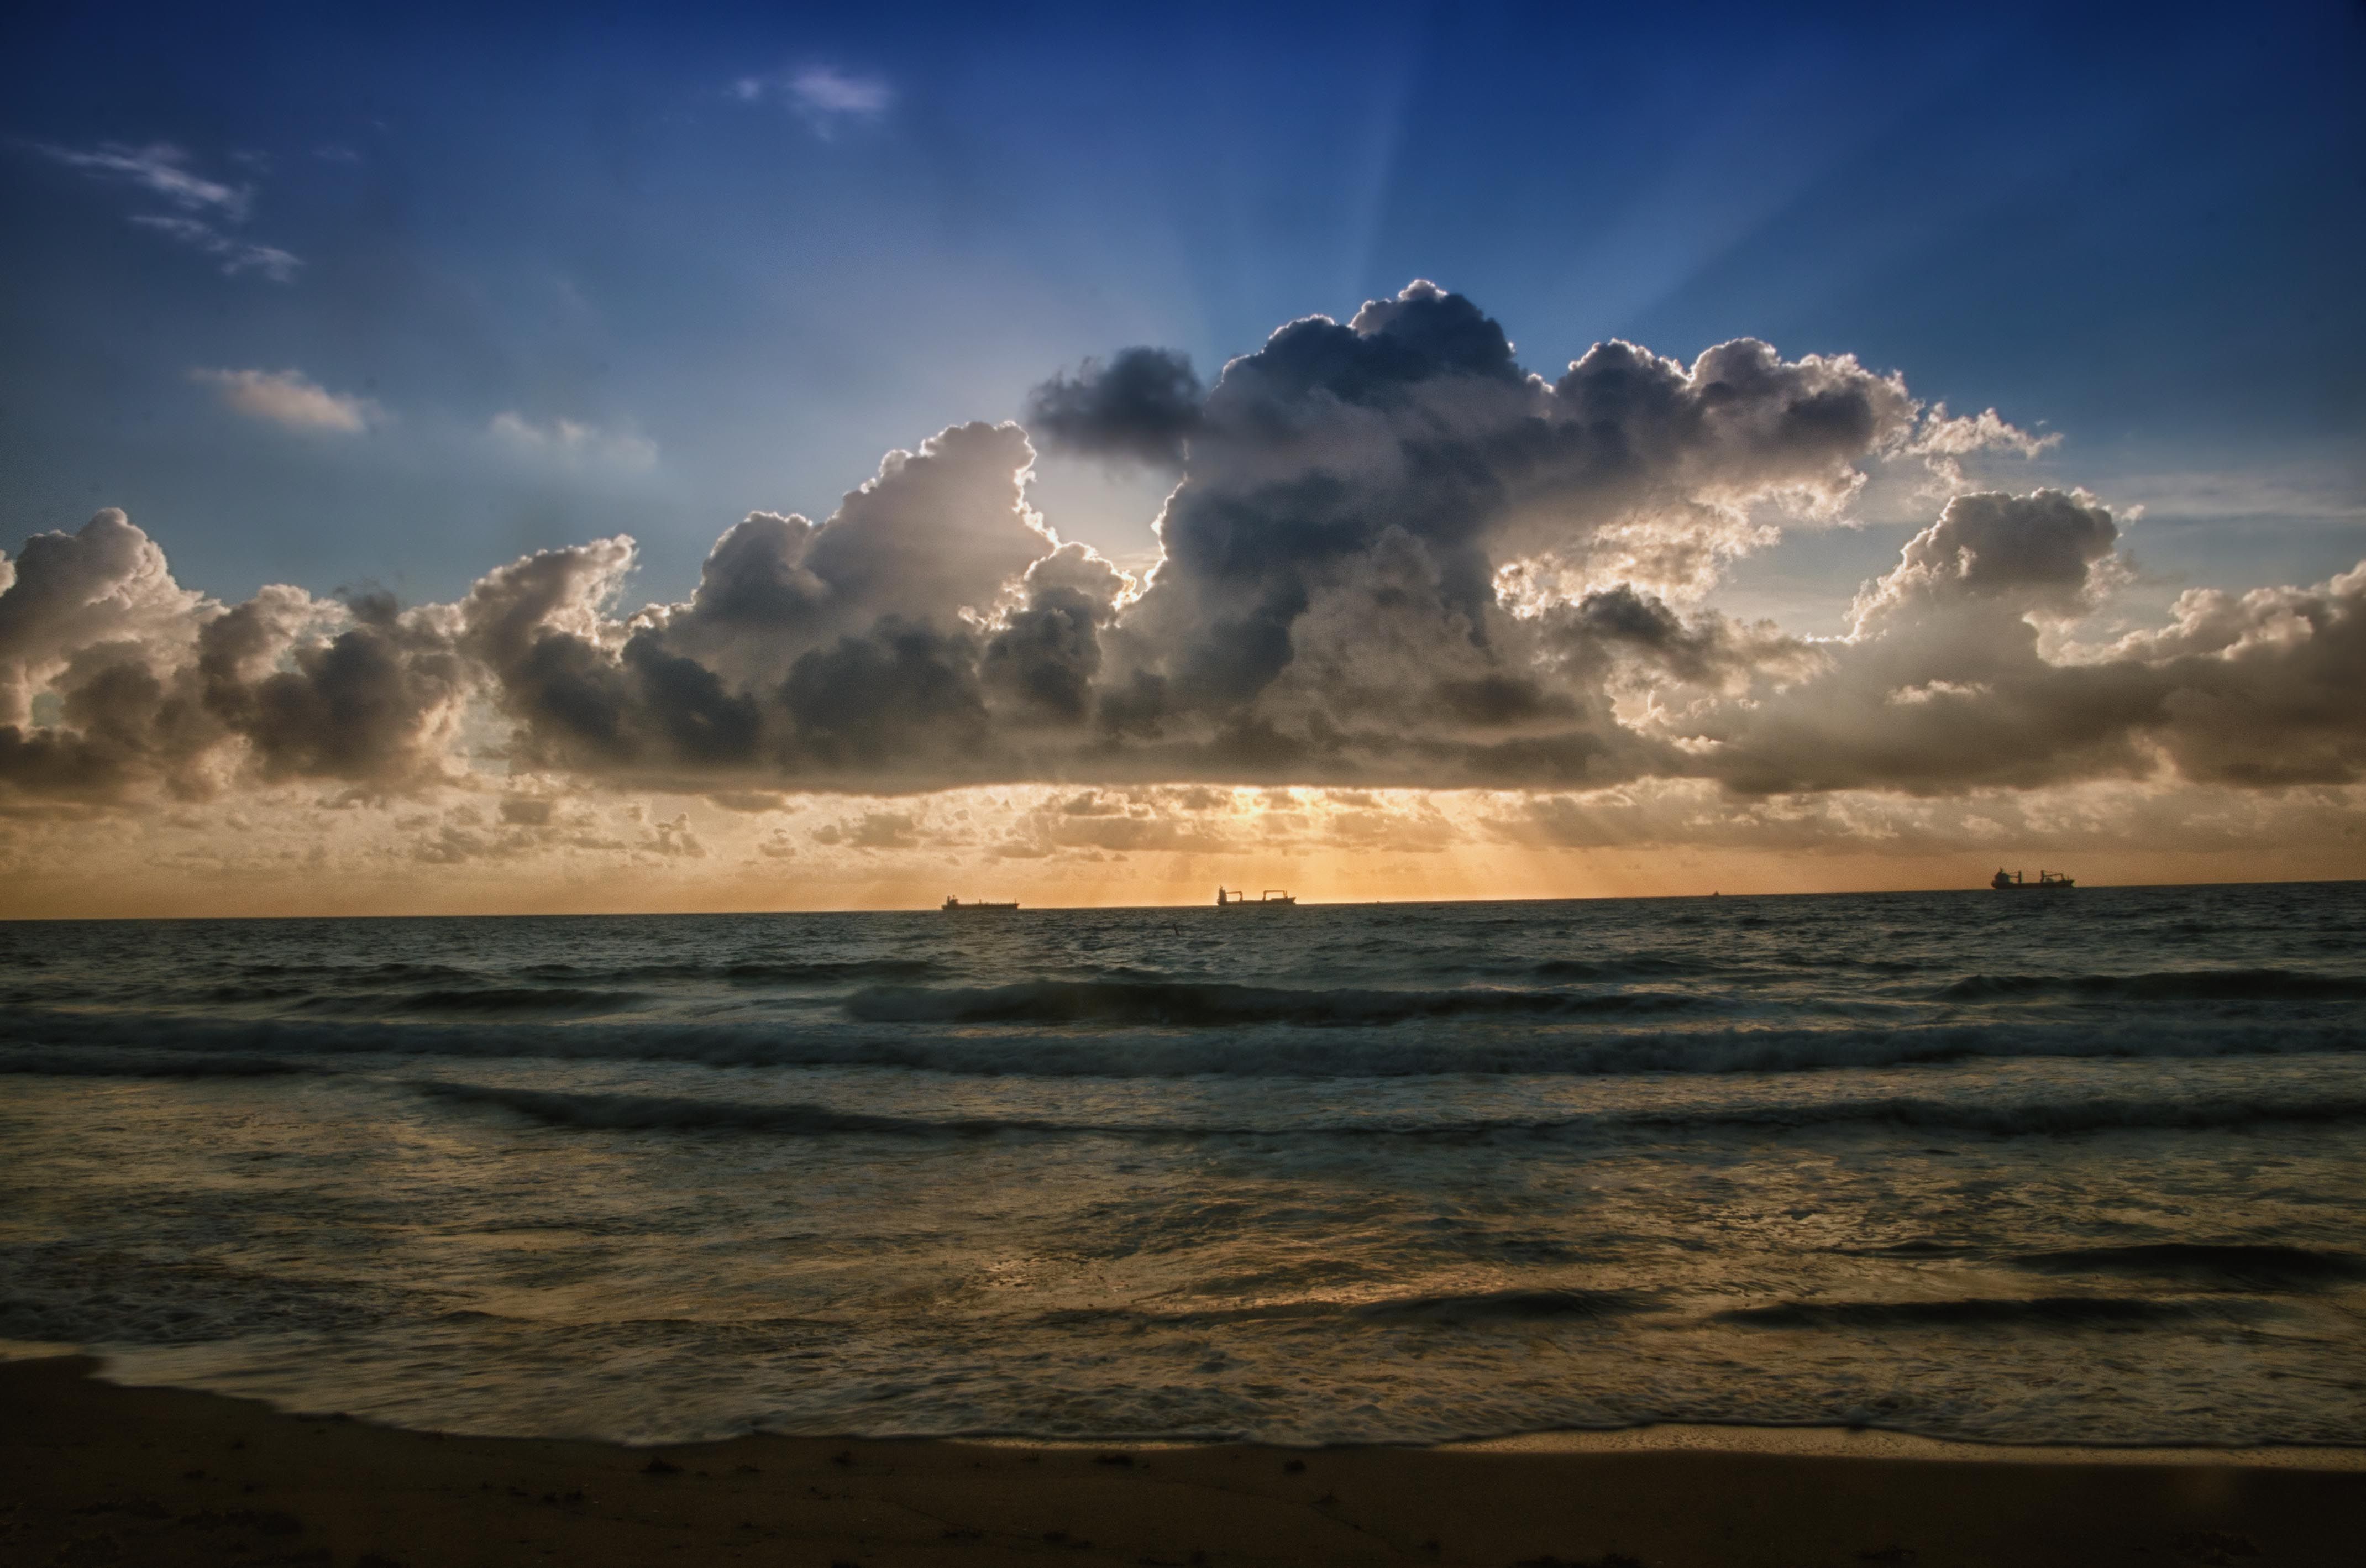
x,y
2003,881
1271,898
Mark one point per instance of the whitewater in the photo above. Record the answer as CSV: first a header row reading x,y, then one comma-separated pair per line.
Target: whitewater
x,y
2082,1167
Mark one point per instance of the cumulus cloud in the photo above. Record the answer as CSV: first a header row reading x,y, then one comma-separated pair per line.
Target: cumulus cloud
x,y
1393,557
1945,685
149,687
291,400
1141,407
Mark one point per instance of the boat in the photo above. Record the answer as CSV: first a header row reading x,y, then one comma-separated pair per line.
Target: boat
x,y
2003,881
1271,898
954,906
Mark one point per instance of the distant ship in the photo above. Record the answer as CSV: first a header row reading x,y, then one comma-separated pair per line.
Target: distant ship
x,y
2044,879
954,906
1271,898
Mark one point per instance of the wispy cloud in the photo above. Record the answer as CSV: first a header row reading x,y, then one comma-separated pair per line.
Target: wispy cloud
x,y
207,208
161,169
235,255
290,400
573,440
823,95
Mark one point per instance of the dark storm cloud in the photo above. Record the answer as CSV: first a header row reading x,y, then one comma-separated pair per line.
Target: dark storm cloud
x,y
365,704
1394,556
1142,406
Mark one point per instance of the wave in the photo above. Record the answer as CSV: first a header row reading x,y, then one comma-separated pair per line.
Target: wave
x,y
495,999
145,1065
2163,986
2237,1265
737,972
1633,966
748,972
1578,1048
641,1113
391,973
1980,1311
1175,1003
1488,1306
638,1112
1520,1306
2219,1112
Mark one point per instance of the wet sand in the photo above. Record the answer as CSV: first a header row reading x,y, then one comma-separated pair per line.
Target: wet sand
x,y
93,1473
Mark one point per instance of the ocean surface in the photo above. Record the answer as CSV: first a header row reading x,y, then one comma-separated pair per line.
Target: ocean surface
x,y
2078,1168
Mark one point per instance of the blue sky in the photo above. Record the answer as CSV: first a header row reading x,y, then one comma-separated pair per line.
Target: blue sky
x,y
577,271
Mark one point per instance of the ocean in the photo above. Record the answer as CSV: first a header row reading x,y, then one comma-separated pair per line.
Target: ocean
x,y
2084,1167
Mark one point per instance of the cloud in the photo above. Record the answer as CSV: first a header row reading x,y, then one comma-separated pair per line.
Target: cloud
x,y
823,96
1942,442
290,400
571,441
1945,686
2039,551
235,255
161,169
1141,407
1394,558
205,205
871,830
154,689
826,90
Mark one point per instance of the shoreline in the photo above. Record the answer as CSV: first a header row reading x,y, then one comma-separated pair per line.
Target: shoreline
x,y
1818,1440
92,1471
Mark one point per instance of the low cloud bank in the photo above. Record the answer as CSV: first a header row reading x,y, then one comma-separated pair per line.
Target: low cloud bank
x,y
1392,556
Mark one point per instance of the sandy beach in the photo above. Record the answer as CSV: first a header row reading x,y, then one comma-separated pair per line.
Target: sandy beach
x,y
92,1473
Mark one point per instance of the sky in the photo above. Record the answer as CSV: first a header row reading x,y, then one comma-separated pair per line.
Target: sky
x,y
803,456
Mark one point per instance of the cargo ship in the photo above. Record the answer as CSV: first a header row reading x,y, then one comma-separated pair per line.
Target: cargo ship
x,y
2054,879
1271,898
954,906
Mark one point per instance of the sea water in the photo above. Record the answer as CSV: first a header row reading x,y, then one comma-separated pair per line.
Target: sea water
x,y
2084,1166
